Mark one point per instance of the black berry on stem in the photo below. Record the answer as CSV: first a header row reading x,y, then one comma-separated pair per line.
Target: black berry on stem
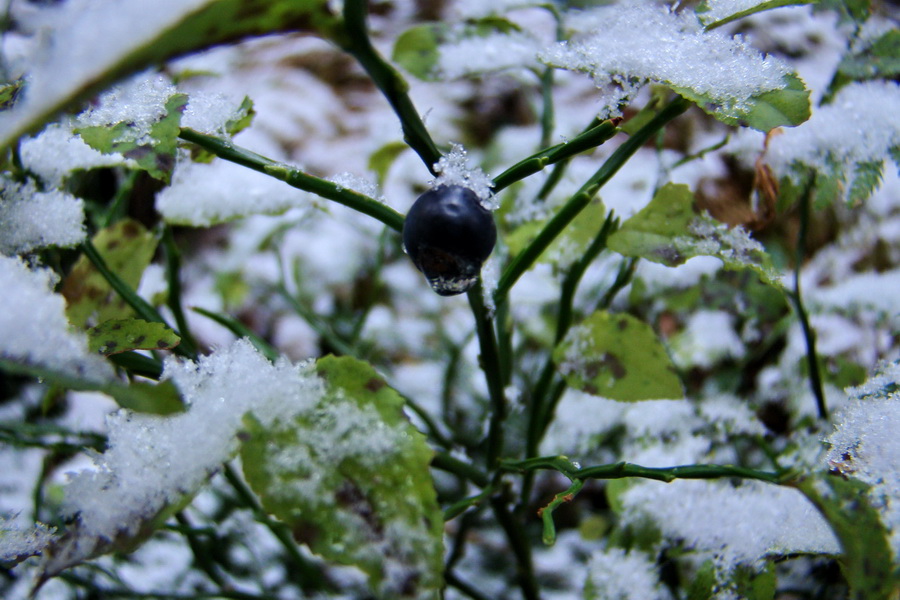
x,y
448,235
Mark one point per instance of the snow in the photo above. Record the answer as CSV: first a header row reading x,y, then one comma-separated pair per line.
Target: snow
x,y
865,445
18,539
614,574
708,337
740,525
209,113
485,54
621,51
856,127
34,329
454,168
57,151
30,219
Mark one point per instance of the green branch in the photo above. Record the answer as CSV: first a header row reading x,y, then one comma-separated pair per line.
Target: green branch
x,y
593,137
493,372
525,259
621,470
296,178
389,81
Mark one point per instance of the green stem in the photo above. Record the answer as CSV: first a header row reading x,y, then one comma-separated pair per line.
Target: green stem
x,y
446,462
392,85
143,309
809,334
458,508
520,547
587,140
490,364
548,116
173,274
546,513
620,470
296,178
525,259
464,587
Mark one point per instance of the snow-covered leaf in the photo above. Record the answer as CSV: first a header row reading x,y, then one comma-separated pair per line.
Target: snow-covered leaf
x,y
617,356
668,231
31,219
351,479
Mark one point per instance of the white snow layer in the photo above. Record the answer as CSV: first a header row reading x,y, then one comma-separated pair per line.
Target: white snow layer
x,y
30,219
34,329
631,43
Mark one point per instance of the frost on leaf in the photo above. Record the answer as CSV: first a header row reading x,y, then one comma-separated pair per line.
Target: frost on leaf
x,y
845,141
617,357
633,43
153,463
18,541
351,478
668,231
35,329
30,219
454,169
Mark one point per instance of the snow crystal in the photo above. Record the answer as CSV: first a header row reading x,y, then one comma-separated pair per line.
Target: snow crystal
x,y
34,328
624,51
614,574
484,54
741,525
18,540
152,461
57,151
355,183
71,59
210,113
865,444
858,126
206,194
475,9
140,102
454,169
30,219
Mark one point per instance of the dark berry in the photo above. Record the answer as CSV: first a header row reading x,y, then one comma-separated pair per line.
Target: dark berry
x,y
448,235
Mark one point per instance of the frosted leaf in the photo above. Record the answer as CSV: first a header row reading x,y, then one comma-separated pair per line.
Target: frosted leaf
x,y
624,50
210,113
34,329
614,574
740,525
454,169
18,541
865,445
30,219
207,194
73,56
140,102
496,51
57,151
858,126
153,461
355,183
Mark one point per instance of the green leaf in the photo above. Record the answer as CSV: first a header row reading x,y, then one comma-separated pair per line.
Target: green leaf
x,y
849,11
243,117
787,106
867,559
703,583
617,356
703,8
9,93
212,23
156,157
866,179
351,479
416,50
753,584
571,243
381,160
127,247
668,231
122,335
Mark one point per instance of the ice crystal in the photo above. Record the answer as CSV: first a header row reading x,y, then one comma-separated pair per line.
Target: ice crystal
x,y
30,219
454,169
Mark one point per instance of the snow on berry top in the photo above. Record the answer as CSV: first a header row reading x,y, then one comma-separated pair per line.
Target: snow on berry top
x,y
454,169
626,45
859,126
30,219
35,328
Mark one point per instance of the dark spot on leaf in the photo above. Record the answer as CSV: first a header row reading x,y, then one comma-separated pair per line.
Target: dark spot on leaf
x,y
244,436
590,389
112,244
375,384
669,255
139,340
110,345
622,324
130,229
162,344
306,533
116,326
350,497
